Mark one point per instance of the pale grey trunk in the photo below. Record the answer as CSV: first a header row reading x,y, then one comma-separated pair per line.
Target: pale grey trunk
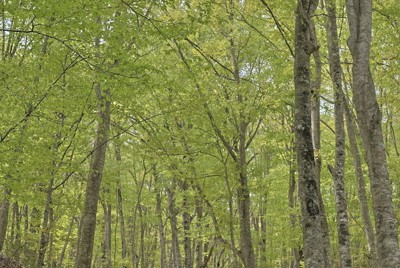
x,y
359,15
314,254
338,171
362,193
4,208
106,258
295,263
163,256
88,219
316,137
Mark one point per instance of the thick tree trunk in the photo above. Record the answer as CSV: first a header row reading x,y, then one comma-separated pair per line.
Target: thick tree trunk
x,y
4,208
369,117
88,220
338,171
314,255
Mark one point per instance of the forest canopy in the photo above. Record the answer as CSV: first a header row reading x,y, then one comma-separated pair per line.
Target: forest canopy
x,y
199,133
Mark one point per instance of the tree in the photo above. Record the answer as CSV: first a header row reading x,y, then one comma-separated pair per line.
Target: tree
x,y
87,226
308,186
338,171
369,120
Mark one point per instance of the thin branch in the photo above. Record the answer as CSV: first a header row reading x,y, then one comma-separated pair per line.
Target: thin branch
x,y
279,26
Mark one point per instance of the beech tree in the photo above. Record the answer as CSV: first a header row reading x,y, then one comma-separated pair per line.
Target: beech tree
x,y
370,118
204,129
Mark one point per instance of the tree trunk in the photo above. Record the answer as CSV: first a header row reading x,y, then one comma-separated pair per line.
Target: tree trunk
x,y
4,208
199,241
362,193
106,258
163,256
88,221
291,196
338,171
316,137
176,254
64,248
45,233
186,221
243,196
308,187
359,15
121,212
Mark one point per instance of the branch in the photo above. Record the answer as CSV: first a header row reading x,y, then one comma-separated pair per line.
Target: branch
x,y
208,57
253,134
279,26
37,104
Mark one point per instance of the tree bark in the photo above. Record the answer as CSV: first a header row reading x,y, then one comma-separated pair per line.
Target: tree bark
x,y
308,187
316,137
4,208
359,15
361,188
295,263
161,231
338,171
121,211
106,258
186,221
88,220
176,254
45,233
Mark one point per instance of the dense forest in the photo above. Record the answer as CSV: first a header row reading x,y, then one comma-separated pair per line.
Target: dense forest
x,y
199,133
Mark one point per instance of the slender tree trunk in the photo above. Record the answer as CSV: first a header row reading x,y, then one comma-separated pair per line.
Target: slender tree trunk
x,y
66,241
316,136
314,254
263,233
243,195
186,221
362,193
163,256
293,216
106,258
4,208
199,241
45,233
176,254
121,212
338,171
359,15
88,221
